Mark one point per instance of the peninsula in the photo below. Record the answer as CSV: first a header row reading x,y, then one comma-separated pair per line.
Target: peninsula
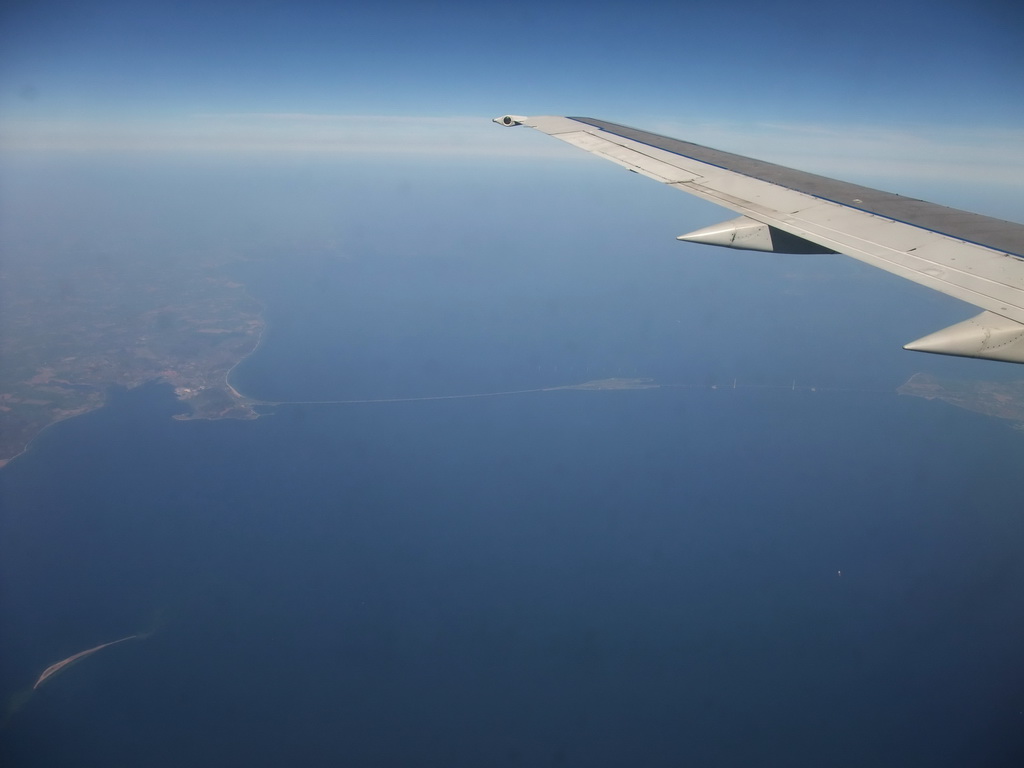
x,y
72,331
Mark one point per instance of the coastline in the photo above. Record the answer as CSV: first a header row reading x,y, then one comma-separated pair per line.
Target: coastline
x,y
203,401
240,405
259,342
1000,400
24,449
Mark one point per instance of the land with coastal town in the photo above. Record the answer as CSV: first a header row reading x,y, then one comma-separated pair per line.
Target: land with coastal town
x,y
71,330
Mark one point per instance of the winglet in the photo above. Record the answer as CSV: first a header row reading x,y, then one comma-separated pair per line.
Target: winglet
x,y
988,336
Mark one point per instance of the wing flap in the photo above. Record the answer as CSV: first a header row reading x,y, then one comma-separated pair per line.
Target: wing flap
x,y
734,192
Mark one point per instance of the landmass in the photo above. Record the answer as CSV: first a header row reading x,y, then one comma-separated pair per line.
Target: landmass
x,y
75,328
1003,400
53,669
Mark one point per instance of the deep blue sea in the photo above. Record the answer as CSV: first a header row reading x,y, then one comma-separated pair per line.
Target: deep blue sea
x,y
662,577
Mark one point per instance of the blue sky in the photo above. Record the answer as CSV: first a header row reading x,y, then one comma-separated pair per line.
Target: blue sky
x,y
170,70
908,61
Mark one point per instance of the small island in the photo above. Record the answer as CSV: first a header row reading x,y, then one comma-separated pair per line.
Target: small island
x,y
613,383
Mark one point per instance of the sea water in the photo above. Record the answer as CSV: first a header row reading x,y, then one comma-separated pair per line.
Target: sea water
x,y
683,575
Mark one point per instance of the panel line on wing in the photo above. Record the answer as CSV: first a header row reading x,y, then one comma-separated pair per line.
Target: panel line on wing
x,y
1005,237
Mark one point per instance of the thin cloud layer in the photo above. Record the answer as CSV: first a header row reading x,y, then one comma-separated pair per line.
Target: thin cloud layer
x,y
275,132
939,153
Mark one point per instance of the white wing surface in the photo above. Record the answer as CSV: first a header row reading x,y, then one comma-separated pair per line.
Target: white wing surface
x,y
974,258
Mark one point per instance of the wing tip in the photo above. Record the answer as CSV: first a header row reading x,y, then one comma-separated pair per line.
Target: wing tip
x,y
510,121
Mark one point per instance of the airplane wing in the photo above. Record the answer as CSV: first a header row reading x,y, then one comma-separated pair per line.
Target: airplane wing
x,y
974,258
